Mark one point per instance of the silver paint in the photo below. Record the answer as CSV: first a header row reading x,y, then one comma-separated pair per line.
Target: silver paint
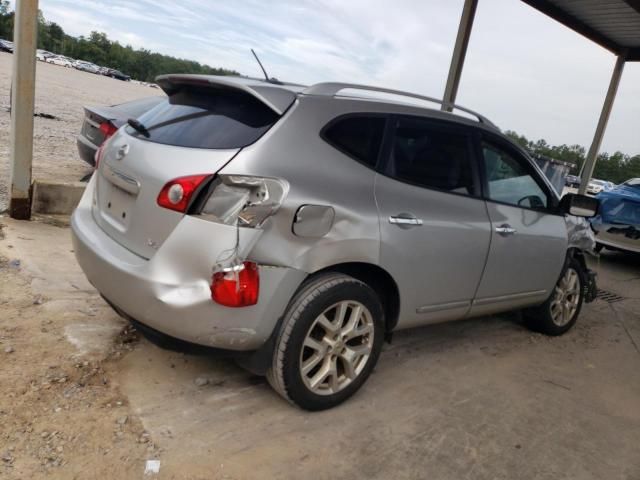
x,y
155,264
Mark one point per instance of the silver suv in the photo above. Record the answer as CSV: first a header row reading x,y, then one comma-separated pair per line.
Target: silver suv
x,y
297,227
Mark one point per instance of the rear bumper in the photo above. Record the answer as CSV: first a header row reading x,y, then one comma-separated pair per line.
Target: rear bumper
x,y
87,150
170,292
622,237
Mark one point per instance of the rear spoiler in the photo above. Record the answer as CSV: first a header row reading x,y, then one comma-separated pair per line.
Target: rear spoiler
x,y
276,98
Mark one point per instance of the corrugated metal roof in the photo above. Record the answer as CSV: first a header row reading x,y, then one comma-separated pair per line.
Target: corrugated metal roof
x,y
614,24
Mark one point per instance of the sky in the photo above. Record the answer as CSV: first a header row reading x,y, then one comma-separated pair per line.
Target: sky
x,y
524,71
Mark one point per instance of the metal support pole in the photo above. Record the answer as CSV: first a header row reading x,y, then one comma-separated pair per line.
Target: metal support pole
x,y
22,105
459,53
590,162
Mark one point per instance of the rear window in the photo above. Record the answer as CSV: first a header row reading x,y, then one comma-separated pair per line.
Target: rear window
x,y
206,118
357,136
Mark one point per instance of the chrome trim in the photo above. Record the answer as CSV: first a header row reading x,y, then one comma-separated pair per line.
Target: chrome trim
x,y
507,298
443,306
405,221
119,179
92,123
505,230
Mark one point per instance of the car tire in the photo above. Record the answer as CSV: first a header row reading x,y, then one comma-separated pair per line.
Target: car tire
x,y
329,342
559,313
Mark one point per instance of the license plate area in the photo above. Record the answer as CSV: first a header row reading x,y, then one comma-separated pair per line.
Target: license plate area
x,y
116,206
91,131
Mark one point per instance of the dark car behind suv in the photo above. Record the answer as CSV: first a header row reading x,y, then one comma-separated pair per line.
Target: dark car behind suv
x,y
102,122
113,73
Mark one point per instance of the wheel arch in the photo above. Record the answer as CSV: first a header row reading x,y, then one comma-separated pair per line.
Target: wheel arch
x,y
379,280
590,287
374,276
578,255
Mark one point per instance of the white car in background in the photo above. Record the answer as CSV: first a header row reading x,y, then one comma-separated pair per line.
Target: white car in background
x,y
596,186
86,66
42,55
60,60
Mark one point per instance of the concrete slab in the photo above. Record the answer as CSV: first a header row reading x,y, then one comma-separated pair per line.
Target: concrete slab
x,y
56,198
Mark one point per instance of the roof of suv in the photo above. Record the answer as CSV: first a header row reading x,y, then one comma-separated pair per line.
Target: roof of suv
x,y
279,95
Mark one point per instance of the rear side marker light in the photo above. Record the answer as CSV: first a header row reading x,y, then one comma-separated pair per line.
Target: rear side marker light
x,y
98,155
176,195
236,286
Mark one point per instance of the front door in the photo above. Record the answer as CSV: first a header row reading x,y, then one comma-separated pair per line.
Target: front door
x,y
528,240
434,227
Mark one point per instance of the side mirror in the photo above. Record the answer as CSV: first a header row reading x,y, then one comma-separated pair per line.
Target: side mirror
x,y
579,205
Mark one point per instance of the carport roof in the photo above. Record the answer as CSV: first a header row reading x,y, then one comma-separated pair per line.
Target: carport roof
x,y
613,24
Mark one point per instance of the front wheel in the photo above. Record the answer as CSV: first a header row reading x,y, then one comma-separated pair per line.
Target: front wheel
x,y
560,312
329,342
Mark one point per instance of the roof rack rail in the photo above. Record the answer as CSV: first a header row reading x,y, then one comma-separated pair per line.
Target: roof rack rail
x,y
331,89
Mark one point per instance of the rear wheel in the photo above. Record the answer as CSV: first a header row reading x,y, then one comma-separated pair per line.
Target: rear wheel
x,y
329,342
560,312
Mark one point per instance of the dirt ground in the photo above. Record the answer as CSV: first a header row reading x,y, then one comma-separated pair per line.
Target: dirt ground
x,y
81,396
61,92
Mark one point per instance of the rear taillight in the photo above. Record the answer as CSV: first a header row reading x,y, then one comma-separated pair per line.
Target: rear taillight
x,y
236,286
108,129
176,195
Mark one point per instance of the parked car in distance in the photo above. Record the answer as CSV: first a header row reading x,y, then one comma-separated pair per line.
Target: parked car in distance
x,y
59,60
277,222
572,181
113,73
617,224
42,55
6,46
86,66
102,122
596,186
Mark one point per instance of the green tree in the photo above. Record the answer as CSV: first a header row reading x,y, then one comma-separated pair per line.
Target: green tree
x,y
97,48
6,20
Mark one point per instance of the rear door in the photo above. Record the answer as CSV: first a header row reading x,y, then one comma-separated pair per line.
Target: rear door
x,y
528,239
196,131
434,226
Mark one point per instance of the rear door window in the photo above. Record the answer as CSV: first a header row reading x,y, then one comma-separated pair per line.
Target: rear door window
x,y
358,136
206,118
432,155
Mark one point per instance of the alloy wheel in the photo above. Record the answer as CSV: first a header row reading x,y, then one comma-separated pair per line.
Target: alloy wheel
x,y
337,347
566,298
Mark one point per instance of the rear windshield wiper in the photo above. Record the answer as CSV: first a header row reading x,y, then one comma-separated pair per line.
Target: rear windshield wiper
x,y
138,127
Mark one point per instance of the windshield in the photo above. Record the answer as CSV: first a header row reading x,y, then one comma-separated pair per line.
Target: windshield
x,y
634,182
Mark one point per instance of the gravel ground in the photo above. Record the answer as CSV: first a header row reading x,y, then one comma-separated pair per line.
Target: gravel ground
x,y
61,92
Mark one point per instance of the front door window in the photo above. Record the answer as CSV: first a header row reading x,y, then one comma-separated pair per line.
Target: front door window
x,y
509,181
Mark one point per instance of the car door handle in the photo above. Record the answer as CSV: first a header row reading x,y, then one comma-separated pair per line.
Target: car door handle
x,y
405,220
505,230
